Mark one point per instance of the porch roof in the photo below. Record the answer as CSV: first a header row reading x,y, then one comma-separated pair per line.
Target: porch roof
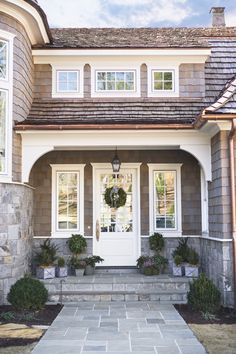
x,y
66,112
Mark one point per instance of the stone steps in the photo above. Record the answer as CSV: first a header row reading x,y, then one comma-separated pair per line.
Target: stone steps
x,y
118,287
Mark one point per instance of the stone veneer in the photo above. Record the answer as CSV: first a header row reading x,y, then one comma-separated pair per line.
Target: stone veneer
x,y
16,234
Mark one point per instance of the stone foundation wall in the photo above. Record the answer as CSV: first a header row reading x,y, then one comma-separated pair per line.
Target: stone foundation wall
x,y
216,259
16,234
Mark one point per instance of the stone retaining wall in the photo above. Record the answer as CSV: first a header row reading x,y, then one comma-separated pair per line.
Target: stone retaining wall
x,y
16,234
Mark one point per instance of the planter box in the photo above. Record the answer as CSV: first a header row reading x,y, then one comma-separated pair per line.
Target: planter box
x,y
177,271
89,270
61,272
45,273
79,272
191,271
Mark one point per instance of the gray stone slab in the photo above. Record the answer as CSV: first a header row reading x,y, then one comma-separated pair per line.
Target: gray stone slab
x,y
94,348
118,346
143,348
167,350
109,324
192,349
138,334
107,335
155,320
147,341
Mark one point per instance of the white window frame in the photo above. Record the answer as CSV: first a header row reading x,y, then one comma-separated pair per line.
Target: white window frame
x,y
68,68
177,231
163,71
116,71
7,60
77,81
117,68
163,93
78,168
6,85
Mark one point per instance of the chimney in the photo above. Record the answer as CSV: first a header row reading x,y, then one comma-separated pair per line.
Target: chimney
x,y
218,16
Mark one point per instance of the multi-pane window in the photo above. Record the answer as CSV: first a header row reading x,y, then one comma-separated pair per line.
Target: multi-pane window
x,y
67,200
163,80
115,80
3,59
165,199
67,81
3,100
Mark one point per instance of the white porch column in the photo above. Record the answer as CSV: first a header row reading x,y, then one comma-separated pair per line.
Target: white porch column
x,y
204,204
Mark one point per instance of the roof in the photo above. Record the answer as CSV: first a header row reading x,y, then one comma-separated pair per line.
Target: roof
x,y
226,101
182,37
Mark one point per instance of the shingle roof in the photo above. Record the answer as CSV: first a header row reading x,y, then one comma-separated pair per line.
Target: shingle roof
x,y
182,37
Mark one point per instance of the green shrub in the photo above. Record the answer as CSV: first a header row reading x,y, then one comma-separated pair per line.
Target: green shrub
x,y
156,242
28,294
47,254
193,257
182,249
77,263
203,295
178,260
77,244
93,260
151,270
141,260
61,262
160,262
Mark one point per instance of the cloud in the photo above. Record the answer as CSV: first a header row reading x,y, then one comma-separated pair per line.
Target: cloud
x,y
230,18
115,13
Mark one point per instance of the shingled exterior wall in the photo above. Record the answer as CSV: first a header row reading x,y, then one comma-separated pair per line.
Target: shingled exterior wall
x,y
216,255
16,200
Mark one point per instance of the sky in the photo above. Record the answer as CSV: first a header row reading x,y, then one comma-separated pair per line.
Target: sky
x,y
134,13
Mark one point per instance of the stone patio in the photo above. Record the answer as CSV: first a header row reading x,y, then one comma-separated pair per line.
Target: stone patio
x,y
119,328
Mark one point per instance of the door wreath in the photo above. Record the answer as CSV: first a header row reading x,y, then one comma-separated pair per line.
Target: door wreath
x,y
115,197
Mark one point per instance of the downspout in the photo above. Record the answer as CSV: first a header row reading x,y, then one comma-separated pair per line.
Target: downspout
x,y
233,198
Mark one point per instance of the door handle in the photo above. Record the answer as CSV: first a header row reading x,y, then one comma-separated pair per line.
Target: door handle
x,y
97,230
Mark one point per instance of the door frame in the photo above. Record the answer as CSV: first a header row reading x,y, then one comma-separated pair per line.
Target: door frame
x,y
128,165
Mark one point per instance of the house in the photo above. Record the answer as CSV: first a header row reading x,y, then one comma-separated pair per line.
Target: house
x,y
160,99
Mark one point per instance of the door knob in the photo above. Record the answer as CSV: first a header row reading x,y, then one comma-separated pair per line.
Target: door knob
x,y
97,230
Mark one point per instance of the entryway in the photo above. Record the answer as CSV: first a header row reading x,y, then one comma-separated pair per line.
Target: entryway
x,y
116,230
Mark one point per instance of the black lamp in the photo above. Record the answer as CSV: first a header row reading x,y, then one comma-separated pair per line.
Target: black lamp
x,y
116,163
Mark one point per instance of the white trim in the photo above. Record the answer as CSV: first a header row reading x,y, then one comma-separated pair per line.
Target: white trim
x,y
163,67
165,167
68,67
117,67
7,85
197,55
67,167
204,204
29,17
37,143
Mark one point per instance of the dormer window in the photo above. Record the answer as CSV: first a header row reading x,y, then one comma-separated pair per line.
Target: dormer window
x,y
115,81
67,81
163,80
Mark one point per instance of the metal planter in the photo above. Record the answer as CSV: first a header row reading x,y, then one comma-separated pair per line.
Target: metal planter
x,y
191,271
45,272
61,272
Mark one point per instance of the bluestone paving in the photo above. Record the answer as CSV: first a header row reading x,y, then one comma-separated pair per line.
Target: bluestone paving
x,y
119,328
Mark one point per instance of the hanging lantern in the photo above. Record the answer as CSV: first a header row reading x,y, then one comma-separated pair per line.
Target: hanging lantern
x,y
116,163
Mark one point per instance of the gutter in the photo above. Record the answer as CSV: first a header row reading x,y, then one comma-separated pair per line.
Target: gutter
x,y
23,127
233,198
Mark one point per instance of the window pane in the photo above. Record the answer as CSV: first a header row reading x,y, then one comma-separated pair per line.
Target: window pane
x,y
120,76
2,131
129,76
72,76
168,76
72,86
101,86
67,200
62,86
68,81
3,59
101,75
158,75
120,85
111,76
62,76
164,202
129,86
158,85
167,85
111,85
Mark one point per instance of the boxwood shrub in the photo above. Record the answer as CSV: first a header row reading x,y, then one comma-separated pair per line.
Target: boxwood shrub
x,y
28,294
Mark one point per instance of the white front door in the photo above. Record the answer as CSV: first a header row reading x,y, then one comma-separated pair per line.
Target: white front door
x,y
116,237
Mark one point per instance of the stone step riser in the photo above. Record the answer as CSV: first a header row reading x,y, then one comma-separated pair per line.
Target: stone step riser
x,y
165,298
119,287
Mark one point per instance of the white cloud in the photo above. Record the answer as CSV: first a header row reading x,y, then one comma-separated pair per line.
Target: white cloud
x,y
230,18
99,13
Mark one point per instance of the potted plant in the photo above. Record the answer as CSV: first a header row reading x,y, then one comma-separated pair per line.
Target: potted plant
x,y
77,244
61,269
78,265
192,268
90,264
182,250
160,262
156,242
149,267
45,259
177,266
140,262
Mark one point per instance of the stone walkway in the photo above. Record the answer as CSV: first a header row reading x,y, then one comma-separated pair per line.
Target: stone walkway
x,y
119,328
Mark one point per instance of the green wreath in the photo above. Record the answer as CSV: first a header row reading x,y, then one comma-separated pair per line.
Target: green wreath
x,y
115,197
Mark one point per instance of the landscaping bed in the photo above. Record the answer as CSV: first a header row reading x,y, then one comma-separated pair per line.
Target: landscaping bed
x,y
19,328
216,333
